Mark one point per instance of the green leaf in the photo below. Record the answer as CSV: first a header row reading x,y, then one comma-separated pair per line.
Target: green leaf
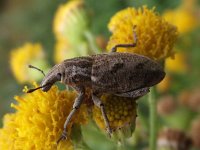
x,y
95,139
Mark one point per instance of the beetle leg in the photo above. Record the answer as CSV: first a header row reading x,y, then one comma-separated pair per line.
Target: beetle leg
x,y
97,101
135,94
76,105
67,87
114,49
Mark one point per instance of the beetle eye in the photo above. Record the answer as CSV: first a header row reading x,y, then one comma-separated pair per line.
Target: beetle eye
x,y
59,76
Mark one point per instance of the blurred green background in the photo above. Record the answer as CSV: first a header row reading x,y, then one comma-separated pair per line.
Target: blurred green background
x,y
24,21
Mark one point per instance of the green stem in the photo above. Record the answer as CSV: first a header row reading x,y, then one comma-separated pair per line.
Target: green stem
x,y
122,143
153,119
92,43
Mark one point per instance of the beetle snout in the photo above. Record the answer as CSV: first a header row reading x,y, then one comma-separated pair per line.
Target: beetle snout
x,y
49,80
46,88
46,85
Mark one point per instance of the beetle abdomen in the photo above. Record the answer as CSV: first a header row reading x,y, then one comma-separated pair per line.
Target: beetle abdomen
x,y
123,72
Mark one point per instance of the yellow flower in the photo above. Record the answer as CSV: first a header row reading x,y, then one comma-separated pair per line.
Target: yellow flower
x,y
121,111
156,37
70,21
8,131
177,64
165,84
184,20
72,33
64,50
183,17
38,121
23,56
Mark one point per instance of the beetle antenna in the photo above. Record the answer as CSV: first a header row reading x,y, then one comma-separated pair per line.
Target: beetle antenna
x,y
33,67
32,90
131,45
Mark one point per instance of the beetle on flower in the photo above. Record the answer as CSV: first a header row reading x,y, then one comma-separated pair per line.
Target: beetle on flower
x,y
121,74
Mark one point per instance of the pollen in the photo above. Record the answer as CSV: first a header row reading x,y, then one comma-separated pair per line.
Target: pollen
x,y
38,120
120,111
156,36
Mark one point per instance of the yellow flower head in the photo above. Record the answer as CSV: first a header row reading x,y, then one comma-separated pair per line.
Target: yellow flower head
x,y
38,121
70,21
23,56
120,111
71,31
184,20
165,84
156,36
184,17
8,132
64,50
177,64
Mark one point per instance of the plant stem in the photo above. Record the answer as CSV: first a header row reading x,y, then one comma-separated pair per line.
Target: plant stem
x,y
122,143
153,119
92,43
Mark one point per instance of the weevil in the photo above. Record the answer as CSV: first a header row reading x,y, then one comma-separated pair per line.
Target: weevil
x,y
121,74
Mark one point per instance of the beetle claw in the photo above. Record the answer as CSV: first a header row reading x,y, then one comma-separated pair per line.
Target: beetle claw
x,y
109,132
62,137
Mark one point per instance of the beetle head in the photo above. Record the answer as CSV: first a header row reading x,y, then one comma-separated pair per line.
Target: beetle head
x,y
49,80
53,76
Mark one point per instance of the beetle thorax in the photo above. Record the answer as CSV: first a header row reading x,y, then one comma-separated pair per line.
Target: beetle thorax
x,y
77,71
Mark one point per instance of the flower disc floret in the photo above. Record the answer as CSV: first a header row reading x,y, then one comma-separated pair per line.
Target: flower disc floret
x,y
120,111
